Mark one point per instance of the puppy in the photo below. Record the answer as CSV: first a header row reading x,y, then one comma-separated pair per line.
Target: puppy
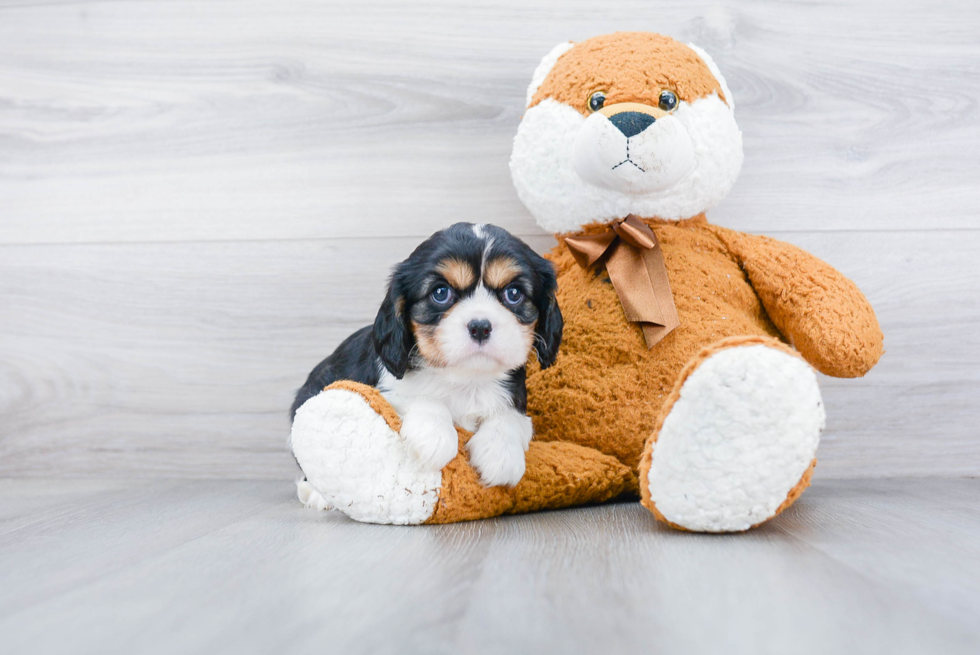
x,y
449,347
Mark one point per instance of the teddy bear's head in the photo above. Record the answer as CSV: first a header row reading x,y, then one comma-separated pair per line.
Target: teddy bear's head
x,y
626,123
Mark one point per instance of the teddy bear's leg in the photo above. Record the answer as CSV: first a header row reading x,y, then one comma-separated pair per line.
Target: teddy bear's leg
x,y
346,441
557,475
736,441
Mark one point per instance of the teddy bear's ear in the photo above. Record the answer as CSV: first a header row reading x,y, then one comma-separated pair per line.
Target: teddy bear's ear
x,y
547,63
713,67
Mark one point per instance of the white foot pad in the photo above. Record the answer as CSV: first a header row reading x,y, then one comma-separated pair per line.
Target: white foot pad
x,y
358,464
739,438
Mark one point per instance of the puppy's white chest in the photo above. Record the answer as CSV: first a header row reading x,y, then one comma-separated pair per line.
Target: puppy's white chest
x,y
478,403
469,401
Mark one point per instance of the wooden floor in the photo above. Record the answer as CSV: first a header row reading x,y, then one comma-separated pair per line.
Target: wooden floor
x,y
176,566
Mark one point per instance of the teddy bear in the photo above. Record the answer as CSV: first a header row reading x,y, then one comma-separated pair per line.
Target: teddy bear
x,y
686,373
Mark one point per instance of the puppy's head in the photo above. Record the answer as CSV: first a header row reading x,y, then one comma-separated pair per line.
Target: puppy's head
x,y
630,122
470,298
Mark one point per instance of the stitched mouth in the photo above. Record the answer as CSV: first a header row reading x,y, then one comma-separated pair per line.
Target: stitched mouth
x,y
628,160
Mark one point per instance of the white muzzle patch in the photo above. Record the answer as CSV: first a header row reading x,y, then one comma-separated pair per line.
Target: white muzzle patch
x,y
507,346
690,162
651,161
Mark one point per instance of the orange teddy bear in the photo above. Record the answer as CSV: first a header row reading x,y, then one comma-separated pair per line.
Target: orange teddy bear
x,y
685,373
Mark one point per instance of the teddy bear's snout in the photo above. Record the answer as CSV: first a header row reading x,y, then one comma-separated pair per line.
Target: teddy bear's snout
x,y
632,149
631,123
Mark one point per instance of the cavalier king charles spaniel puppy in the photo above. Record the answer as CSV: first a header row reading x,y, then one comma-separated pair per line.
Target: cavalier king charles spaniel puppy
x,y
449,347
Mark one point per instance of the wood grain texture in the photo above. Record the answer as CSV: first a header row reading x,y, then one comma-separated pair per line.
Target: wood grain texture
x,y
863,566
182,361
199,201
167,121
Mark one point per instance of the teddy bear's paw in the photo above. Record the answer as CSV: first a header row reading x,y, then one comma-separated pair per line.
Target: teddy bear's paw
x,y
360,465
737,445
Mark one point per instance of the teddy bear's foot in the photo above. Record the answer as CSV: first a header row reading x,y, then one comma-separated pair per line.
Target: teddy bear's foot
x,y
346,439
736,440
347,443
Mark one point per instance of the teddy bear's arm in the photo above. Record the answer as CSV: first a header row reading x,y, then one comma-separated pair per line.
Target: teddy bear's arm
x,y
824,314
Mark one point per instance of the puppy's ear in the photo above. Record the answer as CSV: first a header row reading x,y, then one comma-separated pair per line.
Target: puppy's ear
x,y
550,323
393,340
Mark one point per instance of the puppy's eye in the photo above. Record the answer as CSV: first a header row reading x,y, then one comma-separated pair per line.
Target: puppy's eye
x,y
442,295
513,295
597,100
668,100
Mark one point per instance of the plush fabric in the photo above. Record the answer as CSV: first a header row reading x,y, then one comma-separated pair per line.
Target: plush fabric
x,y
716,426
597,64
763,473
558,475
607,389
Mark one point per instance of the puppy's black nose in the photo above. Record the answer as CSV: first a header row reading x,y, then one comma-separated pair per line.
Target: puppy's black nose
x,y
479,329
632,123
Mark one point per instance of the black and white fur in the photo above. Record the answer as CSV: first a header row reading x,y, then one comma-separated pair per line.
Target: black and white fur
x,y
436,369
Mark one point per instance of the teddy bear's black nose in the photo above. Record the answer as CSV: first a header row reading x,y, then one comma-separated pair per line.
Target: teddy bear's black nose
x,y
632,123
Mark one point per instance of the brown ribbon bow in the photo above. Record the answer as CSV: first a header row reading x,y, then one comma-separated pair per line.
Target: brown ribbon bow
x,y
636,268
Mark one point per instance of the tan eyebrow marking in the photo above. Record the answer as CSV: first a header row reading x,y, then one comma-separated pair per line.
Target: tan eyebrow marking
x,y
500,272
457,272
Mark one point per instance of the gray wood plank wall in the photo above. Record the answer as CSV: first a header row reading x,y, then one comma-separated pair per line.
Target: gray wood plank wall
x,y
198,201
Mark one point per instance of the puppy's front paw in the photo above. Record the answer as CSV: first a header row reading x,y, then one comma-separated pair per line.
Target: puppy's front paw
x,y
497,449
310,497
428,429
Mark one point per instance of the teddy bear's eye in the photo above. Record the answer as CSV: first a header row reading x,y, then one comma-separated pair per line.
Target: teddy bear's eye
x,y
668,100
597,100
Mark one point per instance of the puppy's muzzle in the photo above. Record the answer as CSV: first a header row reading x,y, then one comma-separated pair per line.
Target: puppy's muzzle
x,y
479,330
